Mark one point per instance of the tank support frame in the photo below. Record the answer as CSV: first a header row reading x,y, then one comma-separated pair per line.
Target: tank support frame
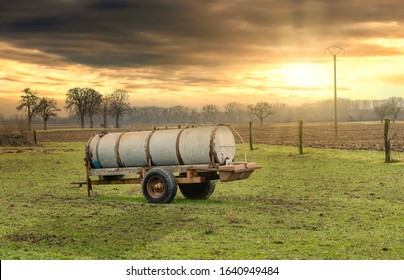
x,y
186,174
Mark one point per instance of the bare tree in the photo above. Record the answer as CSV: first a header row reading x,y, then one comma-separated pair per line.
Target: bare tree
x,y
47,108
148,114
177,114
261,110
234,111
365,105
193,115
119,105
395,106
209,112
29,101
345,107
381,108
77,101
94,104
105,108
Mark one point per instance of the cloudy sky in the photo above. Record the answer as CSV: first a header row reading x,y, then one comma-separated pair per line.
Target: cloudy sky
x,y
194,52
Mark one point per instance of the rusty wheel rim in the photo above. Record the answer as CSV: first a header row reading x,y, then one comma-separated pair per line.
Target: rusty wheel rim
x,y
155,187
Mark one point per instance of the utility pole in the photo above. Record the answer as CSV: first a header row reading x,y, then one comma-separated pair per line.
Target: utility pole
x,y
335,50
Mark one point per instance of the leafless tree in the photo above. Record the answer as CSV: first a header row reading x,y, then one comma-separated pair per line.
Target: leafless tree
x,y
119,105
29,101
47,108
261,110
105,108
147,114
94,104
234,111
78,102
381,108
395,106
177,114
209,112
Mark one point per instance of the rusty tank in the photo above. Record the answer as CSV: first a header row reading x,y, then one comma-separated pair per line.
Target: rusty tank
x,y
187,146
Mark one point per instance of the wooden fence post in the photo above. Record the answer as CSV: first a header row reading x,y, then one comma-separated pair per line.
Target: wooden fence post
x,y
300,137
251,140
387,147
35,141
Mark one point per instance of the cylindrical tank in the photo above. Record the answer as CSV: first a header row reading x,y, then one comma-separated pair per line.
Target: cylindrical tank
x,y
201,145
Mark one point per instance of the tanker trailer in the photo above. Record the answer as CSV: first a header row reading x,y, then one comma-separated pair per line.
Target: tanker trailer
x,y
191,159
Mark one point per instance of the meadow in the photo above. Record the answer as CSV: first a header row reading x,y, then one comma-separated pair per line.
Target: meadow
x,y
324,204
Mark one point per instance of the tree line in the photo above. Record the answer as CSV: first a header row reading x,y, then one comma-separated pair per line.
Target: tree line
x,y
349,110
87,104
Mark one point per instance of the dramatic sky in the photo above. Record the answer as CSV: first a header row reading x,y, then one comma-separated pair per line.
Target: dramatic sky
x,y
194,52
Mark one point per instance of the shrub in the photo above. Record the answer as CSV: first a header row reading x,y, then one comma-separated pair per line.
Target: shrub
x,y
18,135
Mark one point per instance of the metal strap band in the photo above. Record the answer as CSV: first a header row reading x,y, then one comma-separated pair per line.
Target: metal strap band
x,y
88,153
177,147
96,152
212,152
117,155
148,154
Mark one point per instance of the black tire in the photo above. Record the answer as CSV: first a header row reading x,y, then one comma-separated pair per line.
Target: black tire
x,y
198,190
159,186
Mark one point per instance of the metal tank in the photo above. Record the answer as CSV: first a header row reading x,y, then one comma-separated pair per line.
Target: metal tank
x,y
188,146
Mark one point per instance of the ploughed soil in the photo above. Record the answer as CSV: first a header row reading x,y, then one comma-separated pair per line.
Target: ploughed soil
x,y
350,136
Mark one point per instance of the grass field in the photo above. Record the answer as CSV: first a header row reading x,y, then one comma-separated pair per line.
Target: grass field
x,y
325,204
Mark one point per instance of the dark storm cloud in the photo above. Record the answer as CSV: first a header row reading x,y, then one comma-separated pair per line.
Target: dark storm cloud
x,y
186,32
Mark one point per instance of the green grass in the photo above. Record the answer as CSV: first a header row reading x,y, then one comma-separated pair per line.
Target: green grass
x,y
325,204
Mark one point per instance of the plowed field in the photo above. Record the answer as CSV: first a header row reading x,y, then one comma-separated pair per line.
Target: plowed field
x,y
351,136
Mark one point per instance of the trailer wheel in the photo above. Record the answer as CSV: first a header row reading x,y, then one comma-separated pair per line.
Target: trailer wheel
x,y
198,190
159,186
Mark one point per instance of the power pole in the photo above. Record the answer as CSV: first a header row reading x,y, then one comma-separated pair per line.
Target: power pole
x,y
335,50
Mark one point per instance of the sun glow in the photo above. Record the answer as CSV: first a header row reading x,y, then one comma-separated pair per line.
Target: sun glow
x,y
304,75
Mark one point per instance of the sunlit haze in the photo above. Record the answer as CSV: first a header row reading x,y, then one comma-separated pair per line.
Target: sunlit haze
x,y
192,53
